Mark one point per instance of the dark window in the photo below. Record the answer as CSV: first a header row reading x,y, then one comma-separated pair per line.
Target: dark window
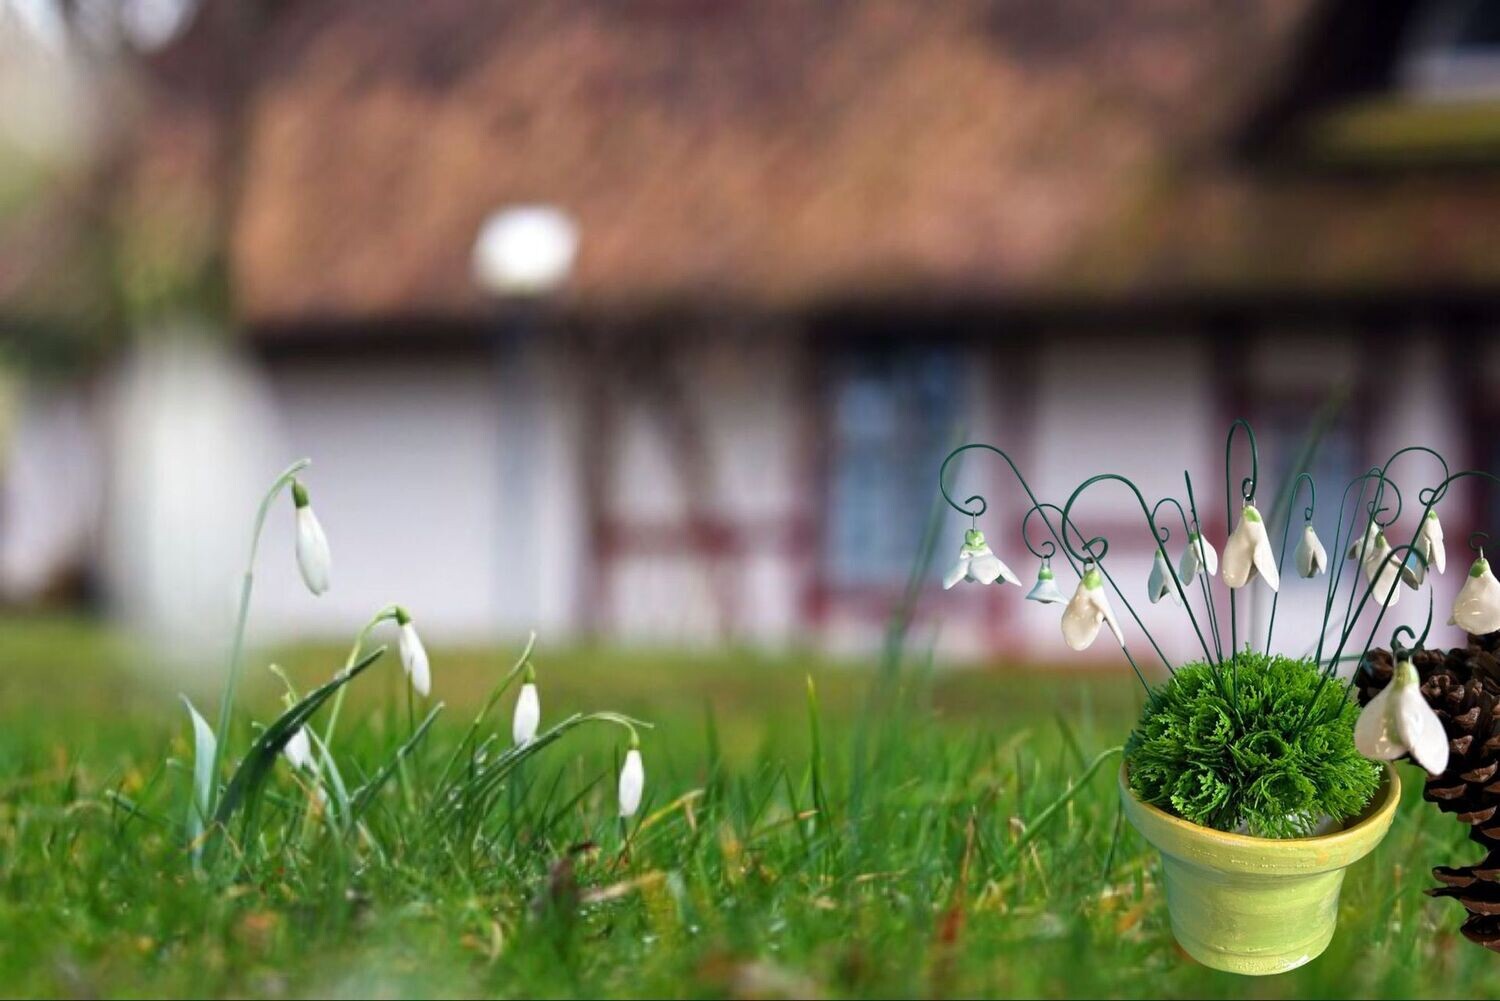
x,y
1334,460
1453,51
894,415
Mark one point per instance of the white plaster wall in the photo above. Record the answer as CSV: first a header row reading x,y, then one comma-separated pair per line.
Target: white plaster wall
x,y
51,495
405,479
1143,408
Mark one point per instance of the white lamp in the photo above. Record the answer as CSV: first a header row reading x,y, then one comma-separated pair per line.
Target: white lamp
x,y
525,250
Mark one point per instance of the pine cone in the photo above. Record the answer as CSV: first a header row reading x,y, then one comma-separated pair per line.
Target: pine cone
x,y
1463,688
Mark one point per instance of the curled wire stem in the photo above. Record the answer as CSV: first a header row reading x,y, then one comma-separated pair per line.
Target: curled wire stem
x,y
1103,547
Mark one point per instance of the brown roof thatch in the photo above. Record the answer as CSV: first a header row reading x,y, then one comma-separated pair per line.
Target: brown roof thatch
x,y
786,154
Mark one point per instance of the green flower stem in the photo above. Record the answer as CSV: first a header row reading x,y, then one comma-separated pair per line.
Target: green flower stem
x,y
237,648
385,614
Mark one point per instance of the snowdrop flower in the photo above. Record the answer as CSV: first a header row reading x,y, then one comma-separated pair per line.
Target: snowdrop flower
x,y
413,654
1399,721
632,781
1087,611
1312,558
313,559
1477,608
1430,542
1198,556
1248,551
298,751
1045,590
1384,572
1363,546
1159,585
978,564
528,711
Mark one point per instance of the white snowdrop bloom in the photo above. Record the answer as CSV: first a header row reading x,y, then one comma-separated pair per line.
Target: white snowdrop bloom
x,y
978,564
1430,542
1312,558
298,751
413,654
313,558
1087,611
528,715
1159,585
1362,546
1248,552
632,783
1399,721
1045,589
1198,556
1476,610
1384,572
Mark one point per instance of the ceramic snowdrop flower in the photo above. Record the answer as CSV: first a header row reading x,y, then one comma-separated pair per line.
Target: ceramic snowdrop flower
x,y
1248,552
1198,556
413,654
1312,558
1045,590
1363,545
528,711
1384,573
313,559
978,564
1087,611
1430,542
1399,721
1476,610
632,781
1160,585
298,751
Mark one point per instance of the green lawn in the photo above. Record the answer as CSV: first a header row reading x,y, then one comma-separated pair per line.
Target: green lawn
x,y
897,848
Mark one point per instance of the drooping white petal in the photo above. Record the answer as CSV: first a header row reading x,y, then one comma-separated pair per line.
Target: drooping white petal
x,y
1312,558
632,783
528,715
1160,584
1374,732
1265,557
1365,543
1399,721
1476,610
313,558
1248,552
414,659
298,751
960,570
986,568
1088,609
1430,542
1210,556
1384,573
983,567
1421,730
1198,556
1045,589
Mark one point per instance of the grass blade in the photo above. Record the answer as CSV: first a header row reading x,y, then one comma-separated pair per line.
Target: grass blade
x,y
250,777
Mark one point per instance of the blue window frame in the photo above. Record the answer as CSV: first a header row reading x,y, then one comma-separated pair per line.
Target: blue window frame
x,y
1283,433
894,412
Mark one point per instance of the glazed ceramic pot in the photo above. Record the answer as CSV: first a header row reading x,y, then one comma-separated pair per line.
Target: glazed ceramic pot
x,y
1257,905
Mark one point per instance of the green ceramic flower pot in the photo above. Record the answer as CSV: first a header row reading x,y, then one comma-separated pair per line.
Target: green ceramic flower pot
x,y
1257,905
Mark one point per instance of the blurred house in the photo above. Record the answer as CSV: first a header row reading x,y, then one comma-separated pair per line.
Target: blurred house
x,y
818,244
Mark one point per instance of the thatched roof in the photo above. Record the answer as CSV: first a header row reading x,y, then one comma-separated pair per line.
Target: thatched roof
x,y
788,154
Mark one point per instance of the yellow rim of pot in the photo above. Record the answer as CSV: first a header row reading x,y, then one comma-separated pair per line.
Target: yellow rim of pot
x,y
1227,851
